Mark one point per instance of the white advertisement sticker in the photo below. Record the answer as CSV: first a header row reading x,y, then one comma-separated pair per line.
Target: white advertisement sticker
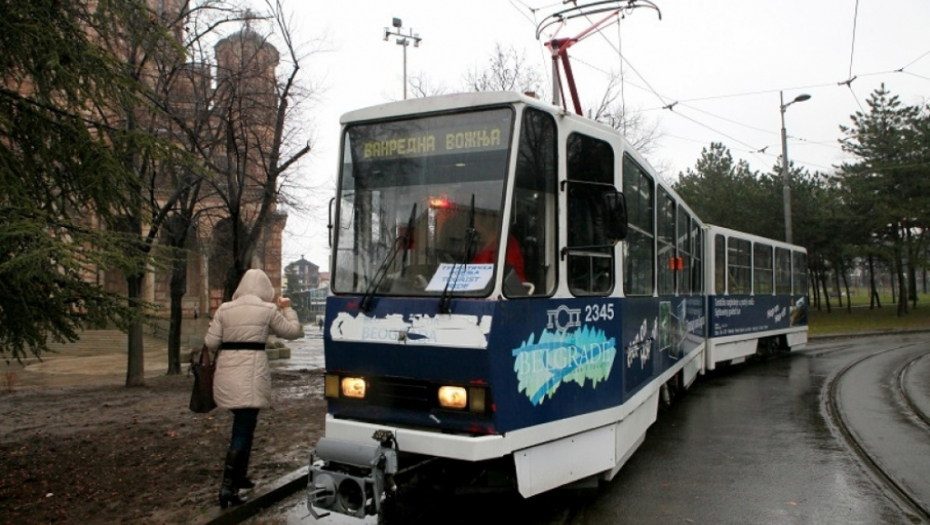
x,y
467,277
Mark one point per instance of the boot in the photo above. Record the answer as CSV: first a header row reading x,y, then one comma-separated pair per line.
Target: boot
x,y
242,479
229,493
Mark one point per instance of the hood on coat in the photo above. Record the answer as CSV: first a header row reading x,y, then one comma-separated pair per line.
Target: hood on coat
x,y
256,283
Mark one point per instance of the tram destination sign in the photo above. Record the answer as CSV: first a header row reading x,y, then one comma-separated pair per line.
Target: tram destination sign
x,y
439,135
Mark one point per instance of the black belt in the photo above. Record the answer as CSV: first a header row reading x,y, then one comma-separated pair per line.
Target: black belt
x,y
242,346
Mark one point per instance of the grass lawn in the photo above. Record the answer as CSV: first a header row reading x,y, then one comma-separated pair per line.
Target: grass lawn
x,y
862,319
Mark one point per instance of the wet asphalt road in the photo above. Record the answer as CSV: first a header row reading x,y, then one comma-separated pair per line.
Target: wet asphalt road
x,y
754,444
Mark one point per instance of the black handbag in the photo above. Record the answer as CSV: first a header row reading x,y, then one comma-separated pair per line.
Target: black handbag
x,y
202,395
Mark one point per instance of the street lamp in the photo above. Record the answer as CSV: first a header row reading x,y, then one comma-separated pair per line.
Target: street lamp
x,y
404,41
786,189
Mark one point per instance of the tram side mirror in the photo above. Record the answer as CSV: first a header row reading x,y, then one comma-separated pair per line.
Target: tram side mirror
x,y
617,219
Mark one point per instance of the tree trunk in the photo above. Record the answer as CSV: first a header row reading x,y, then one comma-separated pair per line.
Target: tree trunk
x,y
178,286
899,272
815,296
848,297
233,276
836,280
911,269
894,287
135,368
912,285
826,291
874,299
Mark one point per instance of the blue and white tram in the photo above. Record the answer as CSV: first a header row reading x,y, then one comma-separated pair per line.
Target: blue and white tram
x,y
757,296
513,288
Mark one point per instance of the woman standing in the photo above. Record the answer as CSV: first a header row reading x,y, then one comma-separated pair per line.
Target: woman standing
x,y
242,382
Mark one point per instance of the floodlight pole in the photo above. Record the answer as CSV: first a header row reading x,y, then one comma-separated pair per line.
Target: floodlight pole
x,y
404,41
786,188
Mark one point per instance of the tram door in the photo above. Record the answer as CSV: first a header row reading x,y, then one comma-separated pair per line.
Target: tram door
x,y
532,229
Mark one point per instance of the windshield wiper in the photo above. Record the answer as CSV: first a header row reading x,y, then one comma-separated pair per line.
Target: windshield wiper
x,y
445,300
404,241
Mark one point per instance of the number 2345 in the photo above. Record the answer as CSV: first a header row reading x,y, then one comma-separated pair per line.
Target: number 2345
x,y
598,312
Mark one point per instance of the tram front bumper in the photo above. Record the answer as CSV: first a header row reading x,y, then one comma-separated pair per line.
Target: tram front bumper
x,y
425,442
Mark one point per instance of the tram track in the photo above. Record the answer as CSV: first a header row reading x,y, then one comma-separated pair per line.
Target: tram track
x,y
831,400
908,400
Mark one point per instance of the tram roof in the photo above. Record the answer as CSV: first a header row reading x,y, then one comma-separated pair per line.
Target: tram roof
x,y
442,103
714,229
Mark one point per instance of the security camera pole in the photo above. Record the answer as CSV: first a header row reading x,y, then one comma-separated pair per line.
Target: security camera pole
x,y
403,40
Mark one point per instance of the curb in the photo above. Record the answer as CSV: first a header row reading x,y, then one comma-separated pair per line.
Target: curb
x,y
872,333
261,498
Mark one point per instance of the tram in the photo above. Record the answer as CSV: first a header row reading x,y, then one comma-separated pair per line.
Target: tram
x,y
514,292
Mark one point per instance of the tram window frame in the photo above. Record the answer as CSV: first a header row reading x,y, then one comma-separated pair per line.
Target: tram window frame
x,y
782,271
720,264
697,265
739,266
665,242
685,253
639,275
763,273
590,166
799,280
534,210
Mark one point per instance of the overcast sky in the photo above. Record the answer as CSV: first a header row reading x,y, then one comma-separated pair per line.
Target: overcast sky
x,y
721,63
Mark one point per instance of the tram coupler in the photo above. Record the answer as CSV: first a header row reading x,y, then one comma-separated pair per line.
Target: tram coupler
x,y
352,478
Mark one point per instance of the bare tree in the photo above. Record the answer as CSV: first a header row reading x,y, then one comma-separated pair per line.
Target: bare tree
x,y
422,86
507,70
168,177
612,110
255,109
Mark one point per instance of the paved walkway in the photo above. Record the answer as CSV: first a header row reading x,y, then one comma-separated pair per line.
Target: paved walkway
x,y
100,359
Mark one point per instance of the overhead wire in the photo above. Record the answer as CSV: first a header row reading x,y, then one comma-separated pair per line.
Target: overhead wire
x,y
622,83
909,64
546,71
852,51
666,105
915,75
853,47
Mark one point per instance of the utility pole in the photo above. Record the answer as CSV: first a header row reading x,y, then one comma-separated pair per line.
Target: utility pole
x,y
404,41
786,188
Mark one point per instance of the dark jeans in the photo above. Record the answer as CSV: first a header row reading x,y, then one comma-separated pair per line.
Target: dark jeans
x,y
244,421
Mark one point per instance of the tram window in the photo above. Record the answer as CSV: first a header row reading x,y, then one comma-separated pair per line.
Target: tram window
x,y
665,237
720,265
799,272
590,165
762,272
683,274
639,249
782,271
739,266
697,268
533,216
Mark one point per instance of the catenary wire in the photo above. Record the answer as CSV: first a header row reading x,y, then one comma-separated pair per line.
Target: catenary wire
x,y
853,47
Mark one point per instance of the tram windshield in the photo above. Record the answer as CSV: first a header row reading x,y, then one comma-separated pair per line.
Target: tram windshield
x,y
420,204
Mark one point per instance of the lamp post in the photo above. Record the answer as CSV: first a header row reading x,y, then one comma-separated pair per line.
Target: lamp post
x,y
786,189
404,41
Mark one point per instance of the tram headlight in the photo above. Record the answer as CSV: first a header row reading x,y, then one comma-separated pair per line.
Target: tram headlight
x,y
453,397
353,387
460,398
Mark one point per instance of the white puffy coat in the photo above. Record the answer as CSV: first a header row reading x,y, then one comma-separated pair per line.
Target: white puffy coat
x,y
243,378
